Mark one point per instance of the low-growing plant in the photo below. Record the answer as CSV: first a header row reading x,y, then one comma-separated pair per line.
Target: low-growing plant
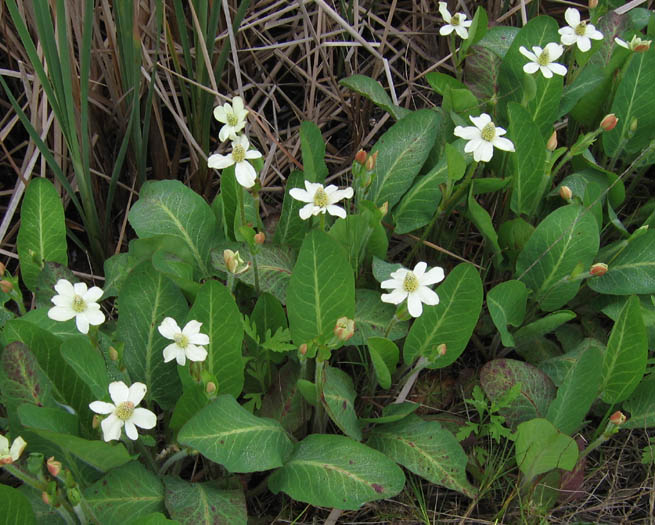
x,y
223,349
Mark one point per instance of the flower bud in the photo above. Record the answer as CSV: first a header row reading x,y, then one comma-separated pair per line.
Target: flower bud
x,y
113,353
344,329
566,193
360,157
598,269
641,46
6,286
370,162
303,348
74,496
442,349
45,498
551,145
54,467
210,388
609,122
634,125
384,209
260,237
618,418
593,4
95,422
2,269
234,263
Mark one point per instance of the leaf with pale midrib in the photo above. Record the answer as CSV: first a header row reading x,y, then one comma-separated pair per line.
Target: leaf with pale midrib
x,y
204,503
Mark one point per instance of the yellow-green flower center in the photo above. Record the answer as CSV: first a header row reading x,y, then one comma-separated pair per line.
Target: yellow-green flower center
x,y
543,59
320,198
78,304
232,119
454,20
181,340
239,153
488,132
125,410
581,29
410,283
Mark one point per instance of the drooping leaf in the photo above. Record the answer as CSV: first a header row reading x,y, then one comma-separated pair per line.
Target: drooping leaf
x,y
42,233
321,289
393,412
564,240
373,91
339,401
336,471
88,363
221,320
482,220
540,447
128,491
624,360
204,503
228,434
506,303
313,152
451,322
384,358
426,449
149,297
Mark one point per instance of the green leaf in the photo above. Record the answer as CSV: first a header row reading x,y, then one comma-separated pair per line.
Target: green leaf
x,y
591,77
451,322
624,360
477,29
42,233
168,207
23,380
498,39
402,150
88,362
372,317
632,271
321,289
313,152
641,405
540,447
528,334
228,434
372,90
204,503
128,491
564,240
149,297
393,412
633,99
577,392
336,471
529,180
537,390
482,220
339,401
426,449
16,508
44,290
384,357
481,71
506,304
442,82
290,229
43,418
221,320
154,518
284,402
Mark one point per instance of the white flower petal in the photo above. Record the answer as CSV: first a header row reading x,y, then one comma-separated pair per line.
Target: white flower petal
x,y
301,195
584,44
143,418
443,10
237,106
92,295
4,445
253,154
17,448
169,328
473,145
306,211
530,68
180,357
111,428
558,69
336,211
554,51
137,392
528,54
130,430
395,297
220,114
484,152
391,283
219,162
503,143
621,43
195,353
446,30
191,328
119,392
94,316
64,287
82,323
61,313
419,269
414,305
224,134
461,31
567,37
572,17
427,296
61,300
199,339
481,121
101,407
80,289
546,72
435,275
171,351
245,174
468,132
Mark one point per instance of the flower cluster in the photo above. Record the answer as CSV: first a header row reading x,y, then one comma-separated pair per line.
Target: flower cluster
x,y
233,116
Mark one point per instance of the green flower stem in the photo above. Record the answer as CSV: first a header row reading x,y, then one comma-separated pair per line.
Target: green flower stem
x,y
322,222
320,420
452,46
390,325
146,454
255,268
173,459
407,387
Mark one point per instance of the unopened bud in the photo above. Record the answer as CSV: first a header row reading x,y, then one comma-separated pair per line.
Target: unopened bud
x,y
45,498
442,349
344,329
360,157
643,45
384,209
6,286
609,122
598,269
566,193
551,145
634,125
54,467
233,262
618,418
210,388
370,162
303,348
260,237
113,353
593,4
95,422
2,269
74,496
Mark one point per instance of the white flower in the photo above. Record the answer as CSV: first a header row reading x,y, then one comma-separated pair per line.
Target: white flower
x,y
636,44
413,286
243,170
185,343
578,32
76,301
233,116
456,22
124,412
543,59
483,137
9,455
320,199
